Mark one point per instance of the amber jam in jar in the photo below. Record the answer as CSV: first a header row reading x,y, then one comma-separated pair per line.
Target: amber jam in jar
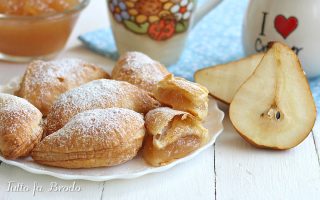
x,y
36,28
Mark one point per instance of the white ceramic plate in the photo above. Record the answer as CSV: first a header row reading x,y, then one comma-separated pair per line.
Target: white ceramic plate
x,y
132,169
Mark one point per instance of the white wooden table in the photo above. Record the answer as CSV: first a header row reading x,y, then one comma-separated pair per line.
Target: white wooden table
x,y
232,169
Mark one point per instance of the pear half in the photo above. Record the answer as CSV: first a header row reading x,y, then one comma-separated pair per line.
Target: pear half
x,y
274,108
224,80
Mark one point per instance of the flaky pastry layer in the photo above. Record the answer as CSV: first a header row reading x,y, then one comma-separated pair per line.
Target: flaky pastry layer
x,y
43,82
95,138
184,95
171,134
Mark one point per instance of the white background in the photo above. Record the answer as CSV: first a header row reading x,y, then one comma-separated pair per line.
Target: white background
x,y
232,169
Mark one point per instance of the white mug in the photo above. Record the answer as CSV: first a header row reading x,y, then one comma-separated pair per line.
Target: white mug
x,y
158,28
294,22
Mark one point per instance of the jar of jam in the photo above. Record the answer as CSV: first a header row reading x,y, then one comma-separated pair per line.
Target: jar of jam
x,y
32,29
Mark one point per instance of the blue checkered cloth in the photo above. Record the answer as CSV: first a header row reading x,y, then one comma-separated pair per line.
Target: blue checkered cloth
x,y
221,42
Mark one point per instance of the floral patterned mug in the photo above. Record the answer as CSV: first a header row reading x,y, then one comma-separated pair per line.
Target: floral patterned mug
x,y
156,27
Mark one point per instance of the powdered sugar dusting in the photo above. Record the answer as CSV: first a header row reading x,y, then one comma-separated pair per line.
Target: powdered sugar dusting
x,y
144,66
89,95
49,73
106,127
44,82
138,58
14,112
139,69
98,94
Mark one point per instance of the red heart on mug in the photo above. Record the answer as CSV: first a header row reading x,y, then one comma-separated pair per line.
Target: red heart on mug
x,y
285,26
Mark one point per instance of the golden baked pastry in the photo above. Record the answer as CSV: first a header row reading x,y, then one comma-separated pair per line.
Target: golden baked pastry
x,y
43,82
20,126
98,94
140,70
184,95
171,135
95,138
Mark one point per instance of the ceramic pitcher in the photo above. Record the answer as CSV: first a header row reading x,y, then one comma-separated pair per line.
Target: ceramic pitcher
x,y
294,22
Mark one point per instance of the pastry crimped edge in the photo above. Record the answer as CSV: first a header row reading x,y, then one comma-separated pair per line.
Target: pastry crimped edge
x,y
183,95
98,94
159,124
44,81
21,126
95,138
140,70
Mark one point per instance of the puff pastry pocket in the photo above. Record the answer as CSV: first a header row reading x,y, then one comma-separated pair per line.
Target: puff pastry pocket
x,y
20,126
140,70
43,82
184,95
98,94
95,138
171,135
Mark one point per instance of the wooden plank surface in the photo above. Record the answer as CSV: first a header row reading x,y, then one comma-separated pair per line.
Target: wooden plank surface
x,y
189,181
88,190
316,138
244,172
195,178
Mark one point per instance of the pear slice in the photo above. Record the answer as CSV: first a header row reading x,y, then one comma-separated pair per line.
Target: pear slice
x,y
274,108
224,80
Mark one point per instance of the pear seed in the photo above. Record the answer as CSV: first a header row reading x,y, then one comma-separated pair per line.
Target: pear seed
x,y
278,115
